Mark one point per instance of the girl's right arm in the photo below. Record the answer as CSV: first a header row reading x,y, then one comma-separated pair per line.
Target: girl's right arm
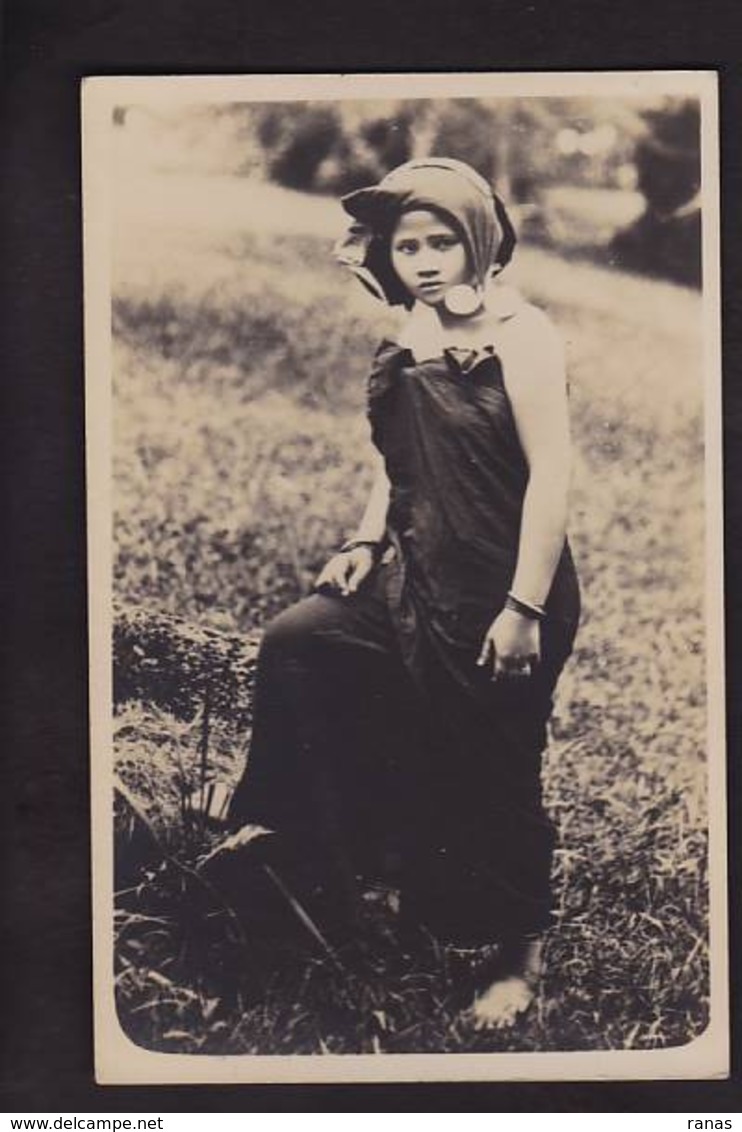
x,y
345,571
373,524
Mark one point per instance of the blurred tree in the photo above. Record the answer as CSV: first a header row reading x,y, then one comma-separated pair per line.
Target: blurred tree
x,y
337,146
666,239
471,131
376,136
297,138
668,158
535,150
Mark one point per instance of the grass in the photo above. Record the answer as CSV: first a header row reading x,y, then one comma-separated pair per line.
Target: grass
x,y
241,460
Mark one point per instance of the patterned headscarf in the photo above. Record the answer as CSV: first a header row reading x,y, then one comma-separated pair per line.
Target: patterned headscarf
x,y
447,187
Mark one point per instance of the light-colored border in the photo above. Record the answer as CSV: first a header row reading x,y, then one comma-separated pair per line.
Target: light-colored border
x,y
118,1060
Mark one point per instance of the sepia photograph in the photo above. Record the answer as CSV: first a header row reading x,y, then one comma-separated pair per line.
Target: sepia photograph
x,y
404,506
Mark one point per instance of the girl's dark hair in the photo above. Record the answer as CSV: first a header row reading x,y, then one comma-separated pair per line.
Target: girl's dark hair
x,y
509,238
379,263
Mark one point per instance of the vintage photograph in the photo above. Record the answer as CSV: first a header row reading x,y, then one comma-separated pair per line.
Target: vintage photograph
x,y
403,415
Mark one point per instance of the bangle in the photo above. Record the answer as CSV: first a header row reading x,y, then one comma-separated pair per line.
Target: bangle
x,y
353,543
533,612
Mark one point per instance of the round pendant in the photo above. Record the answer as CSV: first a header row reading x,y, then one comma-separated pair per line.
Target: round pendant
x,y
463,300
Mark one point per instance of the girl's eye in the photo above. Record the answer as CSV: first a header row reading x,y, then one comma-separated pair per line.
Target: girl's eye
x,y
407,247
443,243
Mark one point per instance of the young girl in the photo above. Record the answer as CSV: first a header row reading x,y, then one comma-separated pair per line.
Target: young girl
x,y
403,705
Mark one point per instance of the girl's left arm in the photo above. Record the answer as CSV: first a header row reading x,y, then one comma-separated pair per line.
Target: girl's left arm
x,y
535,380
534,373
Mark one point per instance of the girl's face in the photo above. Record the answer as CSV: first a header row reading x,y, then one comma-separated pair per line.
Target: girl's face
x,y
429,256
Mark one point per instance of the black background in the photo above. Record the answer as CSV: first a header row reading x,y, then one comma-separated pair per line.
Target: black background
x,y
49,45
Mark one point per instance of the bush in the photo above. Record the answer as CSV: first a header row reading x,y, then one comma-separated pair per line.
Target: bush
x,y
297,138
666,240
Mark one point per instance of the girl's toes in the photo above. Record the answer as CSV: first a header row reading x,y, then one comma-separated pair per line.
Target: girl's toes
x,y
501,1004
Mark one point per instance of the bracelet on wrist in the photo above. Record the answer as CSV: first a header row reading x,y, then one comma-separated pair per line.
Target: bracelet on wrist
x,y
525,608
374,545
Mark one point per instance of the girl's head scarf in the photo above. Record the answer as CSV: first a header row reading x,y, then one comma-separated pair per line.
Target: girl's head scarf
x,y
442,185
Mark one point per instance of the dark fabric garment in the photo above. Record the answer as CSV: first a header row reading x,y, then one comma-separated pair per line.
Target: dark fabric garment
x,y
374,727
458,477
335,716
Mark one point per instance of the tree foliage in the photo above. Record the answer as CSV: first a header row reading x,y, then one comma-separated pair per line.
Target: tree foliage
x,y
335,147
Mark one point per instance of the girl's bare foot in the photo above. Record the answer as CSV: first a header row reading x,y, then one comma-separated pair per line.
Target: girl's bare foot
x,y
509,995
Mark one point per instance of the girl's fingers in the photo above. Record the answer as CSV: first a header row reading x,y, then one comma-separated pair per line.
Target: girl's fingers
x,y
329,577
359,573
353,580
351,577
492,660
517,667
487,648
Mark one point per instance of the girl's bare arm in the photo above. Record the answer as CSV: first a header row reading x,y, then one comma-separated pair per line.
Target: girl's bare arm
x,y
345,571
534,373
373,522
535,380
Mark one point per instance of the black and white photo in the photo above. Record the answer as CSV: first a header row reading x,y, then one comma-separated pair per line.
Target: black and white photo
x,y
403,417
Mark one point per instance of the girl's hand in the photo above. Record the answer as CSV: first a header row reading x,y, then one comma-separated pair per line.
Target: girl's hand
x,y
511,646
345,571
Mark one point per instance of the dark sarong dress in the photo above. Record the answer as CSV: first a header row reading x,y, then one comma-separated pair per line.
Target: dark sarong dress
x,y
374,726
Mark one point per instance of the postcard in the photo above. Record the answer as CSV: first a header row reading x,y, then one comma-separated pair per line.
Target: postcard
x,y
406,591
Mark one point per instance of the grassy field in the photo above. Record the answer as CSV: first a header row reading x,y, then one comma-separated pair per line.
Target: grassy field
x,y
241,460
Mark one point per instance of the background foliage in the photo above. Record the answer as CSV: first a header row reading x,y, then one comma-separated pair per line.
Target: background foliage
x,y
551,157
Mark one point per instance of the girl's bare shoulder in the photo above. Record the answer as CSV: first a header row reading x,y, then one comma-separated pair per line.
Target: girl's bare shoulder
x,y
529,346
524,331
519,323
